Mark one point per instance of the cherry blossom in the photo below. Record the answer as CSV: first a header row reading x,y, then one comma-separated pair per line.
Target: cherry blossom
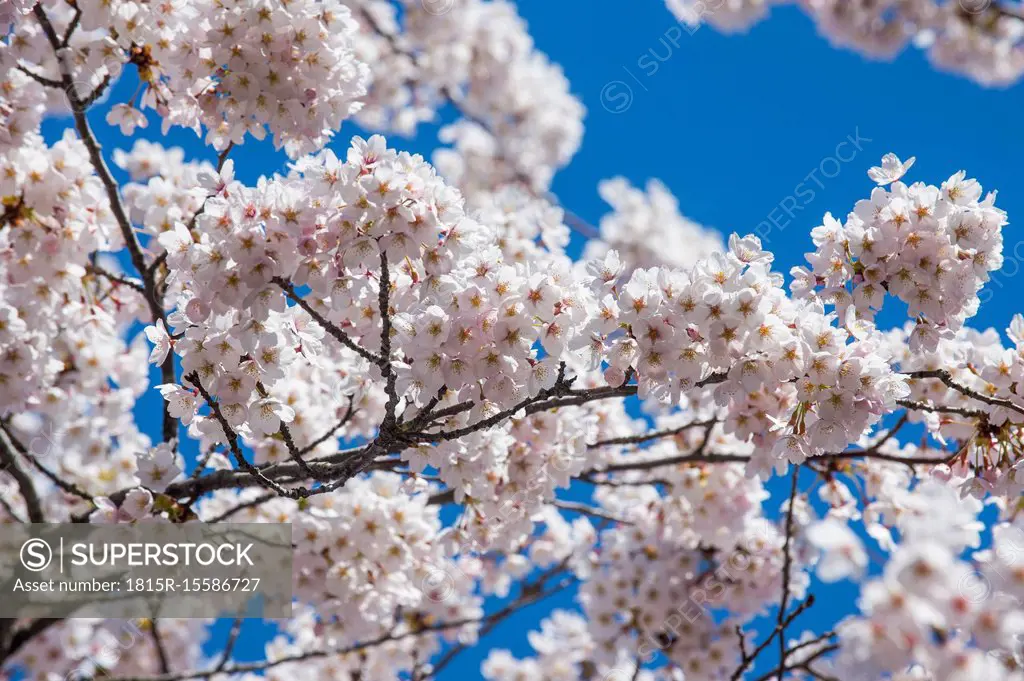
x,y
891,170
156,469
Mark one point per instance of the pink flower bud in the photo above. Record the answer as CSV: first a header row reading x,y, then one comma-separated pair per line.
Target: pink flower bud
x,y
197,311
614,376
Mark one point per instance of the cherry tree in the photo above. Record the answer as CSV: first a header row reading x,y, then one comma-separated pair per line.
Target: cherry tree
x,y
369,339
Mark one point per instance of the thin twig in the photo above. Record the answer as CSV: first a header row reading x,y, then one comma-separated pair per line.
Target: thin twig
x,y
390,377
334,429
585,509
42,80
68,487
72,26
747,660
940,409
248,667
158,643
252,503
117,278
222,157
229,646
232,437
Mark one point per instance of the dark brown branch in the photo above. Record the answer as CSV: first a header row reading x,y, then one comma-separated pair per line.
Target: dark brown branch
x,y
91,98
390,378
9,464
939,409
296,454
561,387
72,26
253,503
247,667
902,421
947,380
158,643
587,510
444,497
787,565
289,443
68,487
329,327
117,278
531,592
222,157
747,660
804,665
195,487
19,637
236,451
446,412
334,429
42,80
424,414
229,645
79,107
694,457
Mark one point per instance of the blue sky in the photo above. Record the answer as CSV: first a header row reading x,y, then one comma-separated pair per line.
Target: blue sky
x,y
731,124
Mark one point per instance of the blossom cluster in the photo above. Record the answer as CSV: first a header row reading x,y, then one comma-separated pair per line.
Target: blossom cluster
x,y
363,555
504,476
794,379
990,431
654,587
647,229
234,68
57,327
82,648
981,40
462,317
927,585
518,121
931,247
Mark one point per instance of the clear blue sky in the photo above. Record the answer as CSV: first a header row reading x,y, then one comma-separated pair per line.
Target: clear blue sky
x,y
732,124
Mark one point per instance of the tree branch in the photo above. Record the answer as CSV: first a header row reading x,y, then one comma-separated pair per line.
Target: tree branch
x,y
236,451
250,667
334,429
786,567
42,80
68,487
329,327
79,107
28,490
390,378
947,379
158,643
647,437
